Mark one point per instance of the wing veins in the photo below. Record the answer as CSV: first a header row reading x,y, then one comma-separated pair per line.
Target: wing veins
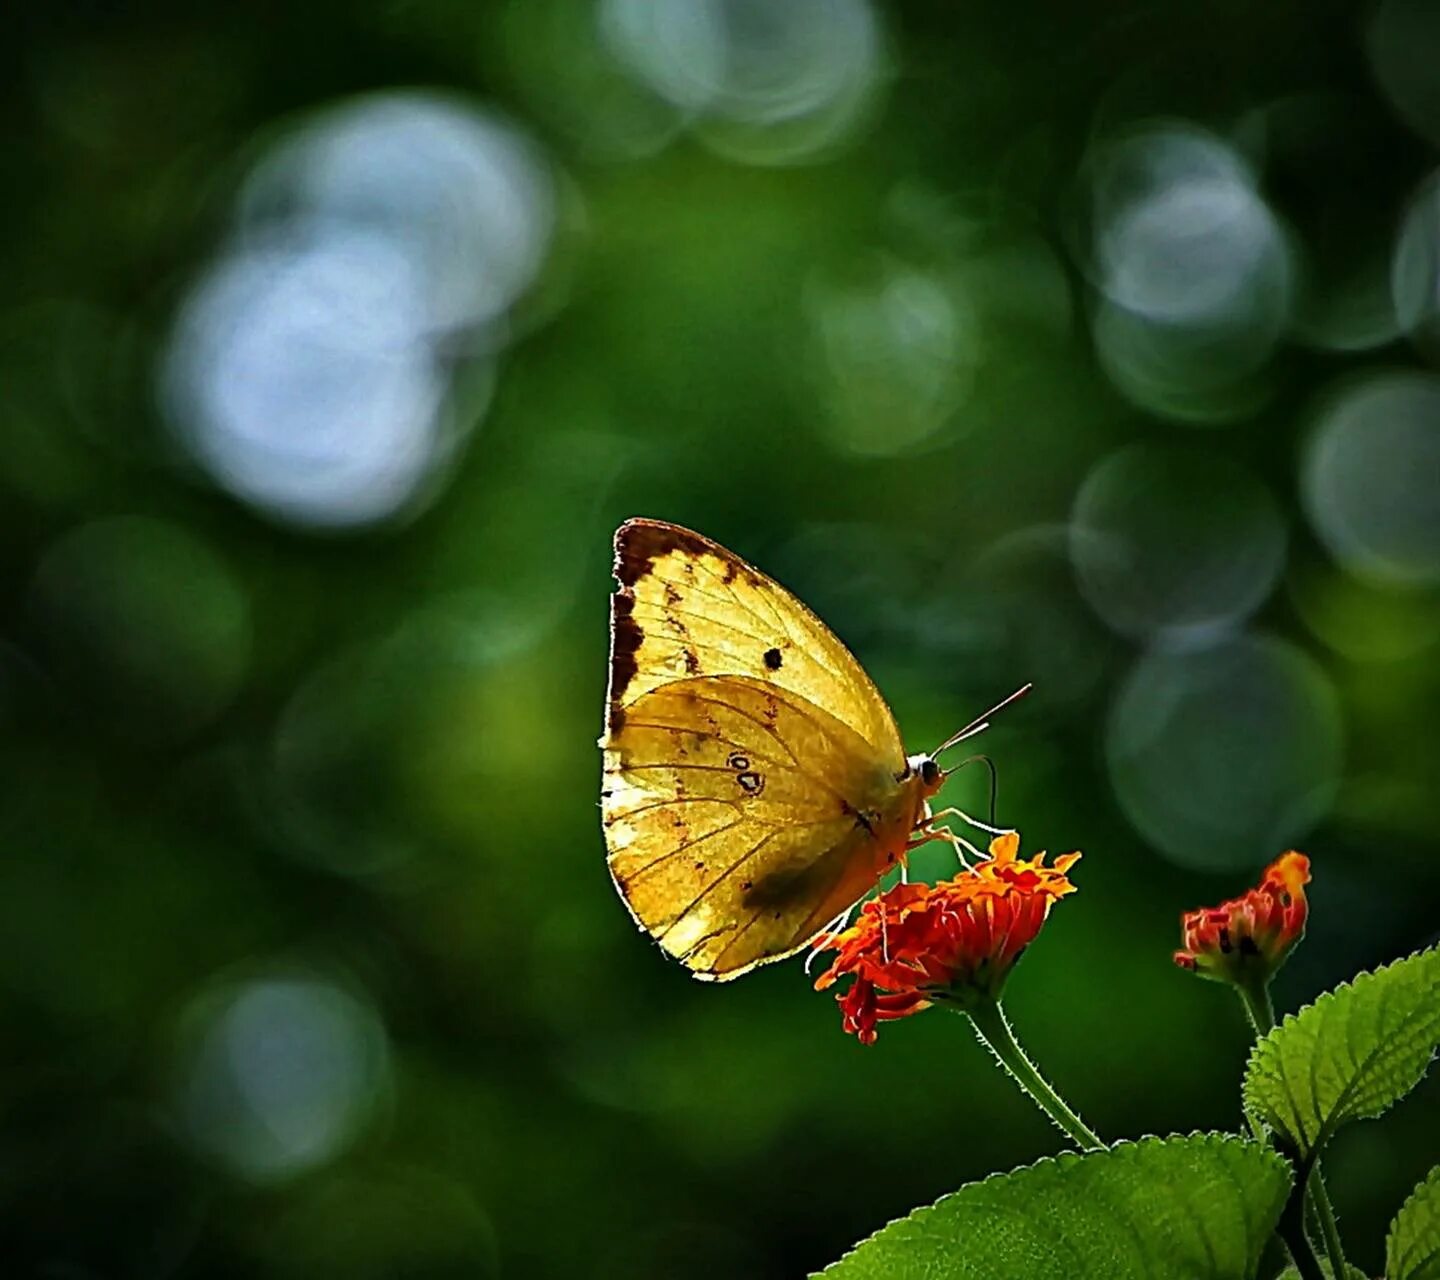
x,y
770,729
759,915
720,738
734,867
777,619
664,610
725,768
781,623
665,857
663,804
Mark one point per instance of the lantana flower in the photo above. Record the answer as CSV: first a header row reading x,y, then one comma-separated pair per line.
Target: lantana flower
x,y
1243,941
954,942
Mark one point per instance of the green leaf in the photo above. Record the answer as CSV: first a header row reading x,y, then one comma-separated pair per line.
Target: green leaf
x,y
1191,1208
1412,1250
1354,1052
1353,1273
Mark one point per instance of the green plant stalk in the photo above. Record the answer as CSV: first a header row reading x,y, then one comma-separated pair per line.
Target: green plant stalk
x,y
1329,1228
993,1028
1255,996
1291,1229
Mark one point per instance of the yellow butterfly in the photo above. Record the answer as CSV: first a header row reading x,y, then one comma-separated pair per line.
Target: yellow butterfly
x,y
755,782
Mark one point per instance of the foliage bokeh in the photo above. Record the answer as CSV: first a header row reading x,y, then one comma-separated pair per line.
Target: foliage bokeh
x,y
1086,345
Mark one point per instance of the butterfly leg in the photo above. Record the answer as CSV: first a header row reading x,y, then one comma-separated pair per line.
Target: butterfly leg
x,y
956,841
953,812
830,930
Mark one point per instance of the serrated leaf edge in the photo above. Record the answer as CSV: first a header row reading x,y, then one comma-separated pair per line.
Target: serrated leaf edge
x,y
1326,1130
1216,1138
1421,1188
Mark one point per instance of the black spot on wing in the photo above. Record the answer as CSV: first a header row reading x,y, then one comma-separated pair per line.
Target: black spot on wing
x,y
773,659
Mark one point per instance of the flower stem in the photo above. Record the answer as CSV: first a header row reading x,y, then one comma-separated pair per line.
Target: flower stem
x,y
1291,1229
994,1030
1329,1228
1255,996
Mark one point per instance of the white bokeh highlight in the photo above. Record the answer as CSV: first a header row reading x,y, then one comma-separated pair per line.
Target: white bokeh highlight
x,y
896,351
765,83
1223,756
304,383
1172,541
466,196
329,364
1193,272
1370,480
282,1075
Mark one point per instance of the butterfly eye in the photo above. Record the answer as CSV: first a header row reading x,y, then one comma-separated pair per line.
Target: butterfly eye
x,y
929,772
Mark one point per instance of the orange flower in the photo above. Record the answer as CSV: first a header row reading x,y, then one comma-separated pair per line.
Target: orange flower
x,y
955,941
1249,937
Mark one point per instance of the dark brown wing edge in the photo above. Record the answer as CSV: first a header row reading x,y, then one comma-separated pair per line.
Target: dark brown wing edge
x,y
638,544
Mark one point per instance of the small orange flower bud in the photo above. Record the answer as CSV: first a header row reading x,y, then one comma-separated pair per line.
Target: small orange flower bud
x,y
1247,938
954,941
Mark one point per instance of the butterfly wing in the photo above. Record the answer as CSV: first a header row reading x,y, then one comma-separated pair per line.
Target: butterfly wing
x,y
688,607
741,818
753,771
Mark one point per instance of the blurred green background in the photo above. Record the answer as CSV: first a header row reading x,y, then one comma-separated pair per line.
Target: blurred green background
x,y
1093,345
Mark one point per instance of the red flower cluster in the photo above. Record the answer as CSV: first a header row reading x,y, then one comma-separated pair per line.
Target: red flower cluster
x,y
955,941
1249,937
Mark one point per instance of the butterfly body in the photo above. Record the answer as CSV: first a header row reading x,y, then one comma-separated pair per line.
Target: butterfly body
x,y
755,782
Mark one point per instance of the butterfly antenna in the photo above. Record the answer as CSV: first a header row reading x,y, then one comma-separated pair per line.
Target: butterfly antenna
x,y
981,722
994,778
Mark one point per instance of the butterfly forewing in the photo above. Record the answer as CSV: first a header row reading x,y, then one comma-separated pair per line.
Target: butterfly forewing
x,y
688,607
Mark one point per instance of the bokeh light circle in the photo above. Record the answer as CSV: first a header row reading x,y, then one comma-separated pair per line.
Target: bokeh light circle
x,y
1193,270
769,83
1365,621
1369,477
142,623
1189,249
328,365
1223,756
1415,269
896,349
281,1075
1168,540
300,379
465,194
1028,617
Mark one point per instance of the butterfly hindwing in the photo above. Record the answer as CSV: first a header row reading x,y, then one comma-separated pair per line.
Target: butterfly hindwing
x,y
741,818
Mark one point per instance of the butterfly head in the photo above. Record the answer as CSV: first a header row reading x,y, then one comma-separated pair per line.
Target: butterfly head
x,y
931,775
